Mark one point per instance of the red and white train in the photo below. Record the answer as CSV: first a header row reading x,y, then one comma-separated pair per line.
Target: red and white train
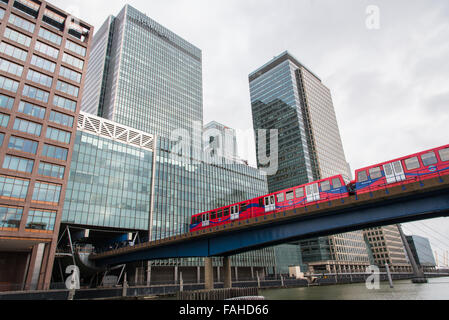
x,y
418,166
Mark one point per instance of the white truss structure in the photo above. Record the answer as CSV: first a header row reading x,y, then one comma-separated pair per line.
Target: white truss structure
x,y
114,131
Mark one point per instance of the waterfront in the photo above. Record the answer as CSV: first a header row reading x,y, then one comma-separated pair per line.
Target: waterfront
x,y
435,289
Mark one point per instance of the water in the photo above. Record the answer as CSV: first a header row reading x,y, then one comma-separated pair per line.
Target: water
x,y
435,289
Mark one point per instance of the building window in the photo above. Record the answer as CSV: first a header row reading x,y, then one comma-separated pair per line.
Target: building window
x,y
13,188
23,145
75,62
58,135
43,63
18,164
17,37
46,193
47,50
40,78
8,84
67,88
12,51
76,48
51,170
50,36
21,23
32,110
41,220
70,74
54,152
35,93
11,67
61,119
4,120
27,127
64,103
10,217
6,102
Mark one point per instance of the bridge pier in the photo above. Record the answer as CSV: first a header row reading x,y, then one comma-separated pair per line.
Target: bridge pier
x,y
208,274
227,272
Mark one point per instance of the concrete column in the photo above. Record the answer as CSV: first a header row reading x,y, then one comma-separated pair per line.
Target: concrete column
x,y
236,274
149,274
227,275
198,274
208,274
176,274
252,272
218,274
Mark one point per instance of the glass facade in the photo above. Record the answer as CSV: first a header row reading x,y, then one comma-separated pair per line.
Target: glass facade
x,y
109,184
289,98
145,77
422,251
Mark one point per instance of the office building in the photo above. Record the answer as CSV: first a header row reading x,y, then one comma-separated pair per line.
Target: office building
x,y
144,76
288,97
387,247
43,60
220,140
123,179
422,252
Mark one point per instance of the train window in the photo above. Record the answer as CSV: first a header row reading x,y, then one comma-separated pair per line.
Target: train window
x,y
429,159
213,215
336,183
412,163
261,202
289,196
444,154
226,212
280,197
375,173
326,185
362,176
219,213
243,207
299,193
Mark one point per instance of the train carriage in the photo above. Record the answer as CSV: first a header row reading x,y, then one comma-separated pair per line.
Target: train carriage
x,y
415,167
314,192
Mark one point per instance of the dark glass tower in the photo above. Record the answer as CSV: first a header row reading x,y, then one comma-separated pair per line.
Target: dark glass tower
x,y
289,98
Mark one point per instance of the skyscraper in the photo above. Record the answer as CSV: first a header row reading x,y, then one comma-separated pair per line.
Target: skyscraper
x,y
288,97
43,59
144,76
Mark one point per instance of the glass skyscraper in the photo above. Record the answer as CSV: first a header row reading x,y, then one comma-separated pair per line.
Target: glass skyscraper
x,y
144,76
287,97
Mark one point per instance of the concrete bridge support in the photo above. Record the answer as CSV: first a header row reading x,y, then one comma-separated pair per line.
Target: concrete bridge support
x,y
227,273
209,274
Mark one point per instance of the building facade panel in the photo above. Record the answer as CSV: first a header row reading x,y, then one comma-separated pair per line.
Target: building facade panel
x,y
36,38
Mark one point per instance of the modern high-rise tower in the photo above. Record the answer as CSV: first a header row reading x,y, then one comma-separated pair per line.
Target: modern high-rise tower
x,y
144,76
287,97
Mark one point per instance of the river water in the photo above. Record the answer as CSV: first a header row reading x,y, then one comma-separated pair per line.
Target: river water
x,y
435,289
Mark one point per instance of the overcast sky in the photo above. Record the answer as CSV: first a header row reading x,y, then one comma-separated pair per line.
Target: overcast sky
x,y
389,84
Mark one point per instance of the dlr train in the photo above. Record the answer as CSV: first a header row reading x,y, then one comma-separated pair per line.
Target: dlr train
x,y
415,167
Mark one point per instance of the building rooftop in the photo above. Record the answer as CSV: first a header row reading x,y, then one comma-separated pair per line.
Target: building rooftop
x,y
276,61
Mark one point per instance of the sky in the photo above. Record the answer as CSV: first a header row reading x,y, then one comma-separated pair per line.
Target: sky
x,y
387,69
